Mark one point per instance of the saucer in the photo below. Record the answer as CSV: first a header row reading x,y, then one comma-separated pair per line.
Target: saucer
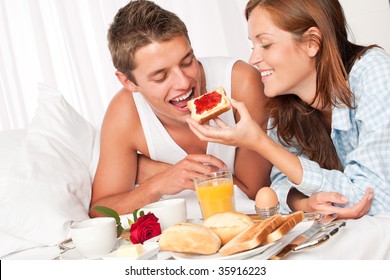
x,y
72,254
151,248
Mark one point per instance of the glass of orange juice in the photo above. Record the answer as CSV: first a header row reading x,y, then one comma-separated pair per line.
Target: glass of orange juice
x,y
215,193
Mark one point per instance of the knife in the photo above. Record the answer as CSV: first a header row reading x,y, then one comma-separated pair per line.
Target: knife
x,y
335,227
306,235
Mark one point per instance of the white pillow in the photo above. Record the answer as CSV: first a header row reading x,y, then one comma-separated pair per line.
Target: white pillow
x,y
49,184
10,146
10,142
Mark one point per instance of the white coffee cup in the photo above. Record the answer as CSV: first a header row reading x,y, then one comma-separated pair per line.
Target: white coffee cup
x,y
168,211
94,237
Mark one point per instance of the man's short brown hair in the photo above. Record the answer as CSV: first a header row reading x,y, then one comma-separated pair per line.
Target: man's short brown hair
x,y
138,24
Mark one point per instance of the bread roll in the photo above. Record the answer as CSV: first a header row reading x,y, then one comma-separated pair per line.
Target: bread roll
x,y
209,105
289,222
228,224
252,236
189,238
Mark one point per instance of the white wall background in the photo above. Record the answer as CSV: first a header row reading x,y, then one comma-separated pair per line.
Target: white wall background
x,y
369,21
62,43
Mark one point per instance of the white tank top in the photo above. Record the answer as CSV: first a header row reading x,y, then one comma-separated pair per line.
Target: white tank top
x,y
218,72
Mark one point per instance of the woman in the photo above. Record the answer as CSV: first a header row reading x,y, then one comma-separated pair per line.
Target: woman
x,y
329,137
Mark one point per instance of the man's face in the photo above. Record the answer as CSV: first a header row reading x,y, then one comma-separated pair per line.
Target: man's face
x,y
168,75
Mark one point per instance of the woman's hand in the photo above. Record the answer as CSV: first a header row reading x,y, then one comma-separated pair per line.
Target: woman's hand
x,y
323,202
244,134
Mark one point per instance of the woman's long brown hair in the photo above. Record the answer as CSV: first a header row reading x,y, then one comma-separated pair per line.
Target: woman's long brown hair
x,y
298,123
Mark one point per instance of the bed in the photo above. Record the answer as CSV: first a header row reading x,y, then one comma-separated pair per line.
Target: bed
x,y
46,174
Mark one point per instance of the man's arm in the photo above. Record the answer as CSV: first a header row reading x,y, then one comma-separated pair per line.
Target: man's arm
x,y
147,168
115,177
252,170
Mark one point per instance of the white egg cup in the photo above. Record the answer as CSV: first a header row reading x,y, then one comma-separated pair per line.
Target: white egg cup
x,y
266,213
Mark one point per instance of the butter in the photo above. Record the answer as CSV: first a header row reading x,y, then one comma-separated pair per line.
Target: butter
x,y
130,251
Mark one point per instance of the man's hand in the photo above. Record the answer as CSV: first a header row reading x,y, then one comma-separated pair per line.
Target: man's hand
x,y
175,178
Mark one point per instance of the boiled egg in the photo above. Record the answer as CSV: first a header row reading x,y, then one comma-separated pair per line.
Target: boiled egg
x,y
266,198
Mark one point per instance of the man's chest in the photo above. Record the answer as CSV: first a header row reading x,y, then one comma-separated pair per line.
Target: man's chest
x,y
187,141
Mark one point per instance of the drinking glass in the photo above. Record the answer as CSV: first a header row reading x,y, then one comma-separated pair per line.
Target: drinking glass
x,y
215,193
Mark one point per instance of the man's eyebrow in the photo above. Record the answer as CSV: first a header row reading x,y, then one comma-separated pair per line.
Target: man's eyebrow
x,y
191,52
158,71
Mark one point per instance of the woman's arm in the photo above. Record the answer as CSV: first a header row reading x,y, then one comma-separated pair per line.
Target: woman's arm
x,y
305,175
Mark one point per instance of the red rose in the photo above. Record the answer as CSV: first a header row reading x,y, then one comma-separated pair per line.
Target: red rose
x,y
144,228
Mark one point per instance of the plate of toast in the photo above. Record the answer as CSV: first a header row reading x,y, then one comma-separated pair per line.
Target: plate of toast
x,y
228,235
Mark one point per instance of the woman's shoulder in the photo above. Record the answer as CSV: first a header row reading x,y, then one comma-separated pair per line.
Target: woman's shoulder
x,y
374,58
369,81
372,69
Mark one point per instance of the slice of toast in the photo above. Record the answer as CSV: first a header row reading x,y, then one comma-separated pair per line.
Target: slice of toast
x,y
209,105
289,222
252,236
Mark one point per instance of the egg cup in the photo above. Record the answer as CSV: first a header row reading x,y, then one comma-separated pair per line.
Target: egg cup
x,y
265,213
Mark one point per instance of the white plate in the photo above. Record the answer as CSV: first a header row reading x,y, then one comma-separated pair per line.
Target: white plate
x,y
150,251
72,254
218,256
151,248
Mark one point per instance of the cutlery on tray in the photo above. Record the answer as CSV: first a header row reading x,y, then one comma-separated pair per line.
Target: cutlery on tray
x,y
331,230
318,225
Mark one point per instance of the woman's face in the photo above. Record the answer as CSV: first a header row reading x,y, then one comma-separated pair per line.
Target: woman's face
x,y
283,62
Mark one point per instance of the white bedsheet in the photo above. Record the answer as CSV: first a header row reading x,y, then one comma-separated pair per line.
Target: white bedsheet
x,y
367,238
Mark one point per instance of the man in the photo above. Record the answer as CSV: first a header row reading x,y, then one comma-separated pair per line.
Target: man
x,y
145,139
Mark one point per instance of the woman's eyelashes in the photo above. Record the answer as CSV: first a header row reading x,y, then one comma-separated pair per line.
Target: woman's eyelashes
x,y
266,46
